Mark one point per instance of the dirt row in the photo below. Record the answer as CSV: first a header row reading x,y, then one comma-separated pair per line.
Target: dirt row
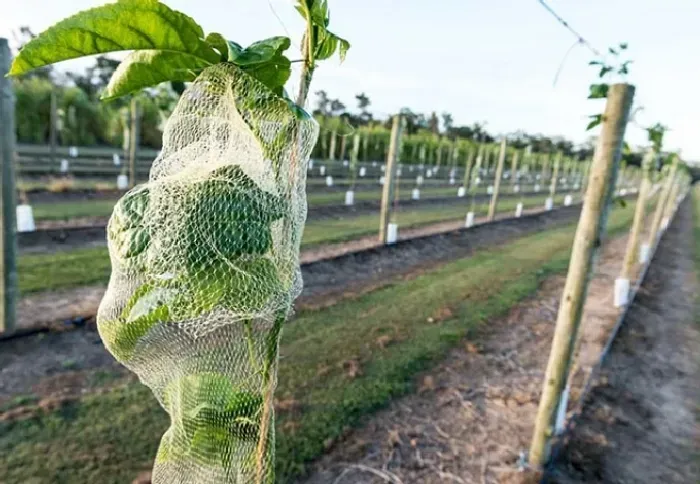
x,y
640,422
471,419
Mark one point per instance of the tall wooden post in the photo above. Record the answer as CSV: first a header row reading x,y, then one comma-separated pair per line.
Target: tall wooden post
x,y
133,140
390,179
497,183
343,147
631,254
354,157
591,228
514,168
555,176
468,168
53,127
331,149
8,225
661,204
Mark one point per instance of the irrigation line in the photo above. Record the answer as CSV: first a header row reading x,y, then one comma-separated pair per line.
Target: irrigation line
x,y
559,445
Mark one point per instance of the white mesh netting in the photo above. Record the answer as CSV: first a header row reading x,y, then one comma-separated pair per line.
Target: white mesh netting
x,y
205,268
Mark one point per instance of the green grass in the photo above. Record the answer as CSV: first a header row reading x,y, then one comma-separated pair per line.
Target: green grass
x,y
108,438
82,267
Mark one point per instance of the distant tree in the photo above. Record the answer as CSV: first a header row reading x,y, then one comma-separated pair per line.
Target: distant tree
x,y
433,123
447,122
337,107
96,77
363,103
322,103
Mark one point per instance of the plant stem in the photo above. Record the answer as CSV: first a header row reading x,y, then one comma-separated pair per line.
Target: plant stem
x,y
269,382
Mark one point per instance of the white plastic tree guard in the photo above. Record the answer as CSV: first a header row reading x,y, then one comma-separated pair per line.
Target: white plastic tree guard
x,y
322,170
382,180
374,163
311,164
392,233
516,188
25,218
329,181
452,181
537,187
345,162
622,292
519,209
623,192
428,173
577,186
383,168
349,198
73,151
116,159
461,192
549,203
399,172
419,180
410,168
64,166
122,182
415,194
568,200
469,221
644,252
489,190
363,171
477,182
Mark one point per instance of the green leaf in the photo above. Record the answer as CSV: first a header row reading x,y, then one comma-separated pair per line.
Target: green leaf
x,y
328,44
598,91
147,68
274,74
604,71
218,41
262,51
596,119
126,25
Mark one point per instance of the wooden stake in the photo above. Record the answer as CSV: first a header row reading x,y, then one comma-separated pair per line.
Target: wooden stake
x,y
390,179
354,156
133,140
514,168
555,176
468,169
331,150
497,183
8,225
590,229
631,254
661,204
53,127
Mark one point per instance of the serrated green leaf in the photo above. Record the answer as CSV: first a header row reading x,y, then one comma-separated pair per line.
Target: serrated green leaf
x,y
126,25
598,91
147,68
218,41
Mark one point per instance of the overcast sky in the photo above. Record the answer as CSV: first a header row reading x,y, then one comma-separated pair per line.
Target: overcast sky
x,y
491,61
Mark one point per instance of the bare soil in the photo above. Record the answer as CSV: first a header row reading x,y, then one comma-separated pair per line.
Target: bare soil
x,y
472,417
640,423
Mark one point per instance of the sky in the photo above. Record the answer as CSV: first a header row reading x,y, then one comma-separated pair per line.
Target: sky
x,y
480,60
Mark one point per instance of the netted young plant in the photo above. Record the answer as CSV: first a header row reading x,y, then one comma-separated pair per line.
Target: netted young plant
x,y
205,267
205,256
